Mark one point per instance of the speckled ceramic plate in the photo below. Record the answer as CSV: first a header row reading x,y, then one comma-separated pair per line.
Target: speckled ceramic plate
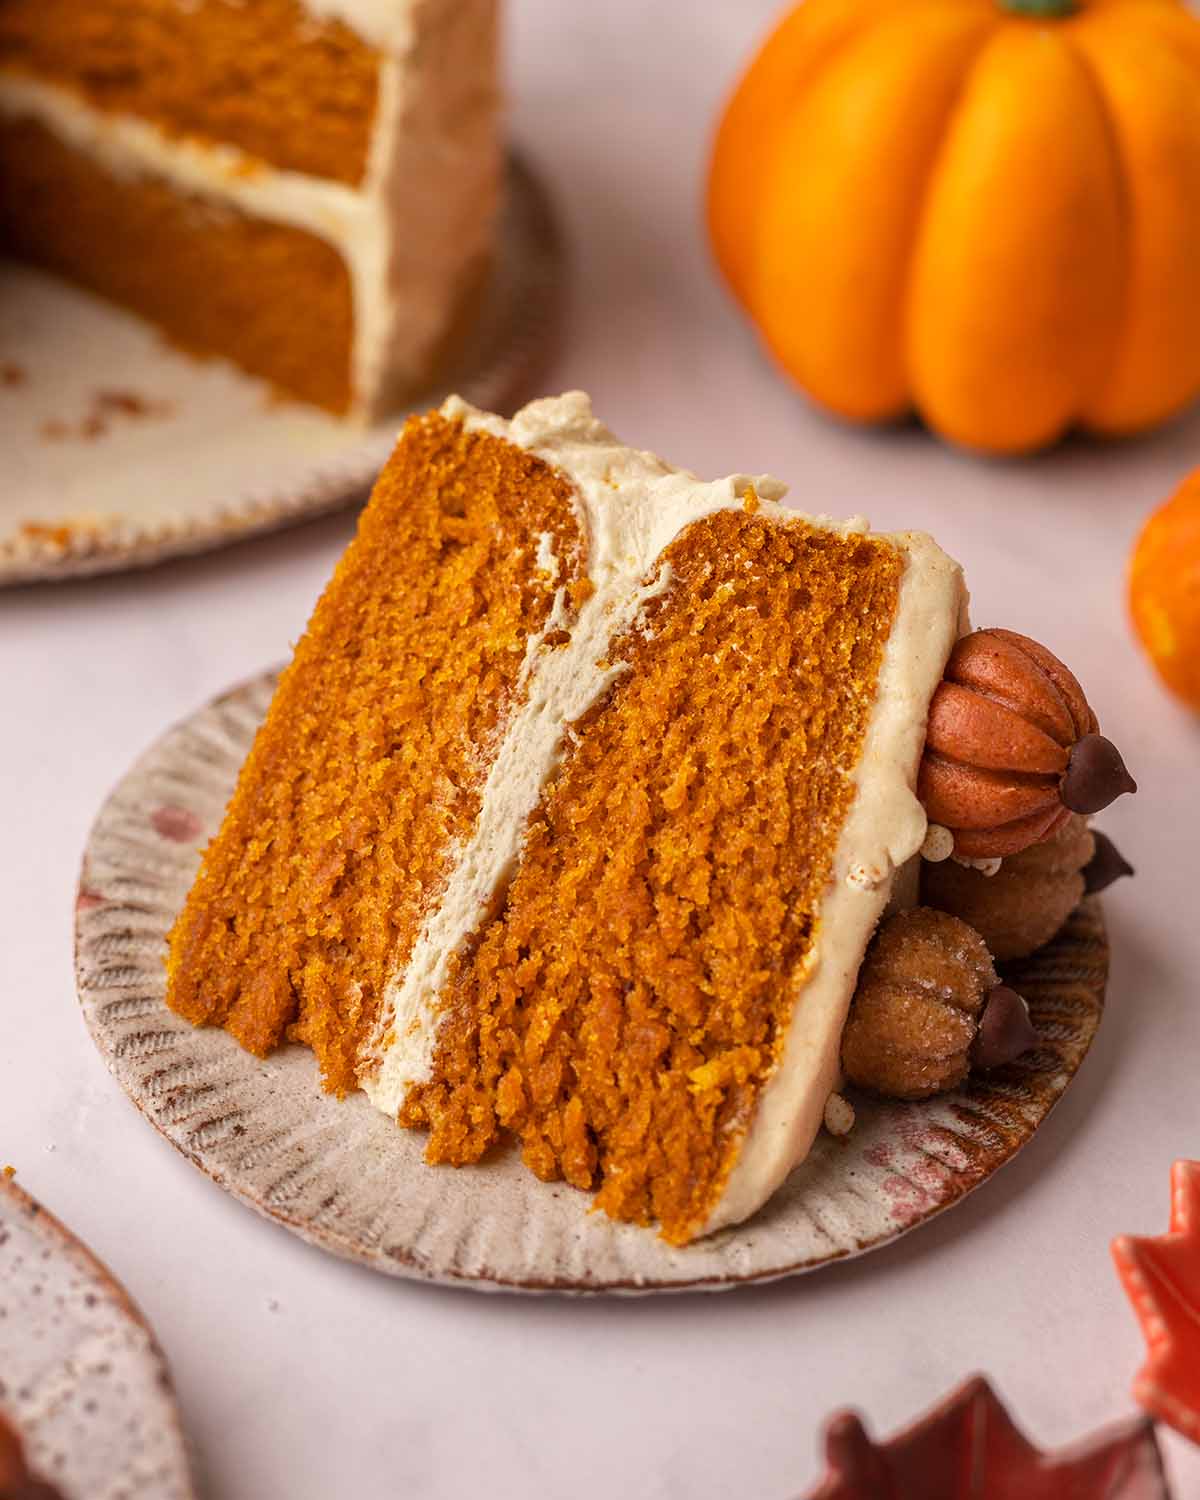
x,y
120,451
81,1377
345,1178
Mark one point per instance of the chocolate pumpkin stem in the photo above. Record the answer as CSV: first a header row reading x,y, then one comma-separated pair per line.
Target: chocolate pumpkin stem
x,y
1095,775
1005,1030
1044,10
1106,865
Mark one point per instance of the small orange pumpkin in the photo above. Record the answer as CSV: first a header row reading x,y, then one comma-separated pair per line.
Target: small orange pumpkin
x,y
1012,748
1164,591
984,210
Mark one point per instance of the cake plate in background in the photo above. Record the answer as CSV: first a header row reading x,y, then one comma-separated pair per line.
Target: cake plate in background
x,y
120,451
81,1377
347,1179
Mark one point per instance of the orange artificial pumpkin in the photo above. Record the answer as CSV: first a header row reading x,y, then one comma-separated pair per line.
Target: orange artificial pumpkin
x,y
1164,591
986,210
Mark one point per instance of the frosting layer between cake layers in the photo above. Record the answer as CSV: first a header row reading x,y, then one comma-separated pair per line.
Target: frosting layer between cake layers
x,y
631,508
414,235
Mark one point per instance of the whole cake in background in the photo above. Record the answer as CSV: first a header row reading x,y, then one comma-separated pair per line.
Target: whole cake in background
x,y
582,799
308,187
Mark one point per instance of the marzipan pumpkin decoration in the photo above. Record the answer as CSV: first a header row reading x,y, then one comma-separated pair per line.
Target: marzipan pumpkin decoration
x,y
987,211
1012,748
1025,902
929,1007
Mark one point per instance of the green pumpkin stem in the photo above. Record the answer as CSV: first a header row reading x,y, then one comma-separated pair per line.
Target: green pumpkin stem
x,y
1041,10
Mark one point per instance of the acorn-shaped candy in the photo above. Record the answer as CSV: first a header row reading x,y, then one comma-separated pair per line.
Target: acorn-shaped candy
x,y
928,1008
1012,748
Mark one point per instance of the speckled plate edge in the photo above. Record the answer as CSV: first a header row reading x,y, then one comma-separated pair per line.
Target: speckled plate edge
x,y
496,377
81,1302
344,1178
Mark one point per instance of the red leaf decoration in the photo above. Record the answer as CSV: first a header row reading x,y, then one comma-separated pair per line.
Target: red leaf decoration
x,y
967,1448
1162,1279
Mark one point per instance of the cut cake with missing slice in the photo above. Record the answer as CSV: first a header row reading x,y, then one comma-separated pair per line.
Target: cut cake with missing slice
x,y
576,810
306,187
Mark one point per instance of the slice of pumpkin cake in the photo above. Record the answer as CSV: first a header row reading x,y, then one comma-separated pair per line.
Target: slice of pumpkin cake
x,y
576,810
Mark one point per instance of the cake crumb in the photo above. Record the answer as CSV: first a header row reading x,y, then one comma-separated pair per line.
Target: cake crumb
x,y
106,406
866,876
38,531
839,1115
129,404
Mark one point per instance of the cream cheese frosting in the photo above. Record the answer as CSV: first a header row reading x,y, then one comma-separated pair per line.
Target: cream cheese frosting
x,y
630,507
386,24
434,162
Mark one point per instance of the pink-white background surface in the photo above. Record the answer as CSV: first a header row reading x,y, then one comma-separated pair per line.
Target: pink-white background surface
x,y
303,1377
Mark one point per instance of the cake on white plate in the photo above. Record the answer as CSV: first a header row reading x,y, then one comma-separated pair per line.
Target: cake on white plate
x,y
576,811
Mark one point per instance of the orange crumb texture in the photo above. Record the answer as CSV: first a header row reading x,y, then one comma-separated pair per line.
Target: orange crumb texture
x,y
624,1004
39,531
371,760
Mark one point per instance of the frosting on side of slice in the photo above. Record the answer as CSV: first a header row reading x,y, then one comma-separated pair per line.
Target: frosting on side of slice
x,y
884,830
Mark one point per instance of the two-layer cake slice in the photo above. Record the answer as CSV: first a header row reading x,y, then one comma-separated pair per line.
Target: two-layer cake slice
x,y
307,187
576,810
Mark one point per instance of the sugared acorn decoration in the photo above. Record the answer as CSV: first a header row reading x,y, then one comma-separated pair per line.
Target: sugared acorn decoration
x,y
928,1008
1012,748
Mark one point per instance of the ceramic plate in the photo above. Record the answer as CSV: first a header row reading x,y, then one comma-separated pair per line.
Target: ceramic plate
x,y
345,1178
81,1377
120,451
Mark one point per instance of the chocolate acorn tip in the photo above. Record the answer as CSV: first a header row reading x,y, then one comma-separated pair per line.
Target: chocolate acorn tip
x,y
1106,865
1005,1030
1095,775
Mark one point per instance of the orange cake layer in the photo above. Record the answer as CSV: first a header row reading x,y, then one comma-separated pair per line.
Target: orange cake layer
x,y
624,1010
368,770
221,70
199,270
